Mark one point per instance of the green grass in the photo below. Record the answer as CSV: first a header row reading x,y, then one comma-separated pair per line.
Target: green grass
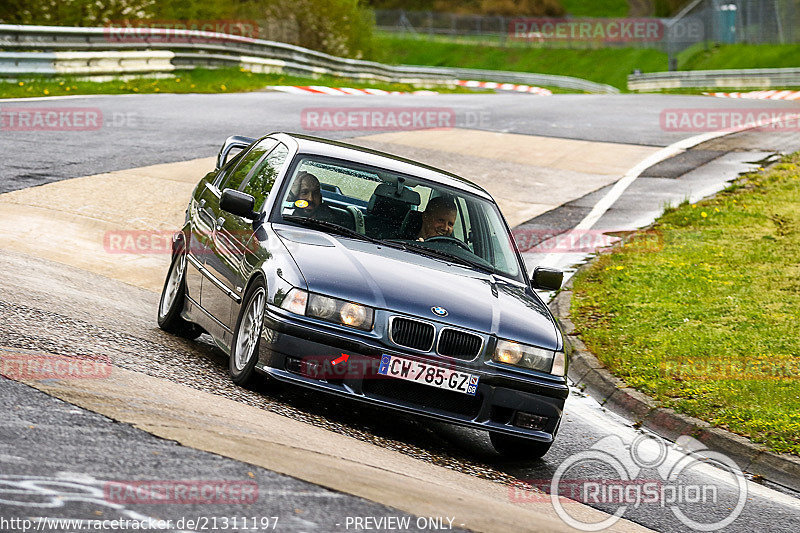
x,y
607,65
709,324
604,65
596,8
189,81
736,56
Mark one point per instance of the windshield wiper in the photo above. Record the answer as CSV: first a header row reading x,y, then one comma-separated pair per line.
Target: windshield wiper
x,y
440,254
336,228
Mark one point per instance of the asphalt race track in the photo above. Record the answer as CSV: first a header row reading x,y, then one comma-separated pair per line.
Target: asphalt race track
x,y
57,457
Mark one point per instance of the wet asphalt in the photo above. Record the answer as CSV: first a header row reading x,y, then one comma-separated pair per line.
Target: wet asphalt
x,y
61,310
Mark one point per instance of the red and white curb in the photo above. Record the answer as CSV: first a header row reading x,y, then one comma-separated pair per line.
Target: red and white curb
x,y
349,91
504,87
338,91
761,95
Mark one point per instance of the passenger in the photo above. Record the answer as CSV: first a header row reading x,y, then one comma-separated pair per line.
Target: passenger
x,y
438,218
306,196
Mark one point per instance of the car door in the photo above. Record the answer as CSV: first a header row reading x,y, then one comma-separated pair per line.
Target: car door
x,y
201,226
225,270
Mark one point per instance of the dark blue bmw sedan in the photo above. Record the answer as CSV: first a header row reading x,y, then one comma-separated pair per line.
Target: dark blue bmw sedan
x,y
371,277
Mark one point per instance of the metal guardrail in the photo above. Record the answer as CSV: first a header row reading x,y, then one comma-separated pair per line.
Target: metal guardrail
x,y
46,49
740,79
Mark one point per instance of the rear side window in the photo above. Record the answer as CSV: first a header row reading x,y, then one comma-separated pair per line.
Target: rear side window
x,y
234,179
263,175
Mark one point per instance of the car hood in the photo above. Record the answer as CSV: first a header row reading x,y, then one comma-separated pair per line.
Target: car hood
x,y
409,283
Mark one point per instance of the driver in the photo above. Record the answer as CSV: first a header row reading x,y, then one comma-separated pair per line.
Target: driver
x,y
438,218
306,197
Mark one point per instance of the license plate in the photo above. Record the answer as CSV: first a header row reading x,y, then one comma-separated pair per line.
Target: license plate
x,y
435,376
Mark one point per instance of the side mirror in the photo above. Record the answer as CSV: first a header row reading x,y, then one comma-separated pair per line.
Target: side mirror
x,y
234,142
238,203
547,279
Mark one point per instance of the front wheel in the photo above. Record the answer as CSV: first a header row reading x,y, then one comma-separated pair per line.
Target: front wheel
x,y
247,336
517,447
171,304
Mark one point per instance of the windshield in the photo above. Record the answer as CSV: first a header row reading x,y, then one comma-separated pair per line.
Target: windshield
x,y
427,217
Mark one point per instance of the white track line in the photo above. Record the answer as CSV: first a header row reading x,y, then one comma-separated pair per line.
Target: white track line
x,y
620,186
72,97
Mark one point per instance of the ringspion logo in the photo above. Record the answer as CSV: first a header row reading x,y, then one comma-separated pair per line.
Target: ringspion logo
x,y
646,472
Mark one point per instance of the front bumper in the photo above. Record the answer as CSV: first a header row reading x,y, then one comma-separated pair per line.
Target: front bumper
x,y
294,350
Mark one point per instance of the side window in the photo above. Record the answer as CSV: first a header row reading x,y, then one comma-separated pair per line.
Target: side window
x,y
264,174
234,178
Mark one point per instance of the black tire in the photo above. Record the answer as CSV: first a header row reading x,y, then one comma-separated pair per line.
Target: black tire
x,y
517,447
247,335
170,305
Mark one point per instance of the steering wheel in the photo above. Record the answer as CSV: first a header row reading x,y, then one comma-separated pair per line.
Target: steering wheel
x,y
448,238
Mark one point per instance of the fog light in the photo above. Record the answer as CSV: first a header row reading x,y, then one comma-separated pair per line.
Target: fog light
x,y
294,365
529,421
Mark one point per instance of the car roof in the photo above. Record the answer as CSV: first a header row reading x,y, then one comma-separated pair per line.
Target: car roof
x,y
340,150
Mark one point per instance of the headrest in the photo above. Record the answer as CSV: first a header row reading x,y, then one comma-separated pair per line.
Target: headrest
x,y
412,224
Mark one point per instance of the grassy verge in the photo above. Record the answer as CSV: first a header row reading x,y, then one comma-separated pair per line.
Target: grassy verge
x,y
736,56
605,65
189,81
708,324
596,8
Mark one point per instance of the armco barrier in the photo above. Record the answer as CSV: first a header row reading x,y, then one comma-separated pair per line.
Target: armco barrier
x,y
192,48
22,63
745,78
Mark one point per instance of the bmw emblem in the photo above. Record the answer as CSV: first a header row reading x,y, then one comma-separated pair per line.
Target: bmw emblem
x,y
440,311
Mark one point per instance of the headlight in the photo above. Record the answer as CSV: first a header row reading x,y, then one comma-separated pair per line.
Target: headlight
x,y
354,315
321,307
514,353
340,311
